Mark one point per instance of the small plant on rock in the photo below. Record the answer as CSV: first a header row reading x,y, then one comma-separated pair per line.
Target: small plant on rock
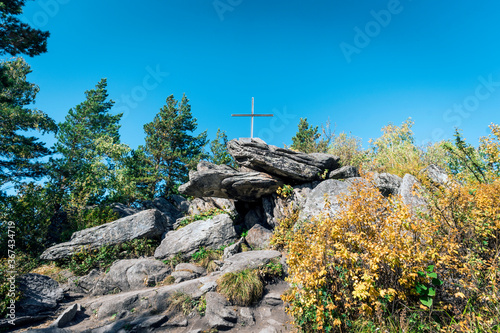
x,y
241,288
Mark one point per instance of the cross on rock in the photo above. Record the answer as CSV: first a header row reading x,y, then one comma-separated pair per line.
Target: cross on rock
x,y
252,115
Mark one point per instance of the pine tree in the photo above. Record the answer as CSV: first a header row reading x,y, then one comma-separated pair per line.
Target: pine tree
x,y
218,148
172,147
305,140
20,154
18,37
92,155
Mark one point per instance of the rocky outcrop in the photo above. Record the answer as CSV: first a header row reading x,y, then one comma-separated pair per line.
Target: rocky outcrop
x,y
284,163
212,233
222,181
132,274
146,224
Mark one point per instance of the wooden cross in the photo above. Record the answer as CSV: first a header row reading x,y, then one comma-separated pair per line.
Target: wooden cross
x,y
252,115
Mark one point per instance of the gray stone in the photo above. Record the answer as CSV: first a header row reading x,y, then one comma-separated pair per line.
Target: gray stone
x,y
212,233
132,274
181,203
144,323
222,181
187,271
258,237
246,316
40,294
190,268
218,313
163,206
329,189
124,210
85,284
273,299
437,175
146,224
276,207
231,250
409,193
67,316
344,172
280,162
388,184
249,260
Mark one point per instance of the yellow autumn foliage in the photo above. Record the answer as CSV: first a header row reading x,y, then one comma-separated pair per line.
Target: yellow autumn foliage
x,y
378,258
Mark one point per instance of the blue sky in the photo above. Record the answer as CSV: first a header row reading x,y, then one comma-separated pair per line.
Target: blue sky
x,y
361,64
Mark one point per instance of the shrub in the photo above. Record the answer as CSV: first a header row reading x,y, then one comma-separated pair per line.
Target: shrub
x,y
283,233
378,262
348,148
242,288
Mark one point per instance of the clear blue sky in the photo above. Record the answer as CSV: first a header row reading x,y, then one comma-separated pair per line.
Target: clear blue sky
x,y
361,64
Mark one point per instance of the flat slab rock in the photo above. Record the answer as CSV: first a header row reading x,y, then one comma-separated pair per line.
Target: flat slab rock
x,y
212,233
146,224
222,181
280,162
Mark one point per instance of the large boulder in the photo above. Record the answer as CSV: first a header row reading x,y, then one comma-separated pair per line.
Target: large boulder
x,y
329,189
212,233
40,294
146,224
280,162
222,181
132,274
